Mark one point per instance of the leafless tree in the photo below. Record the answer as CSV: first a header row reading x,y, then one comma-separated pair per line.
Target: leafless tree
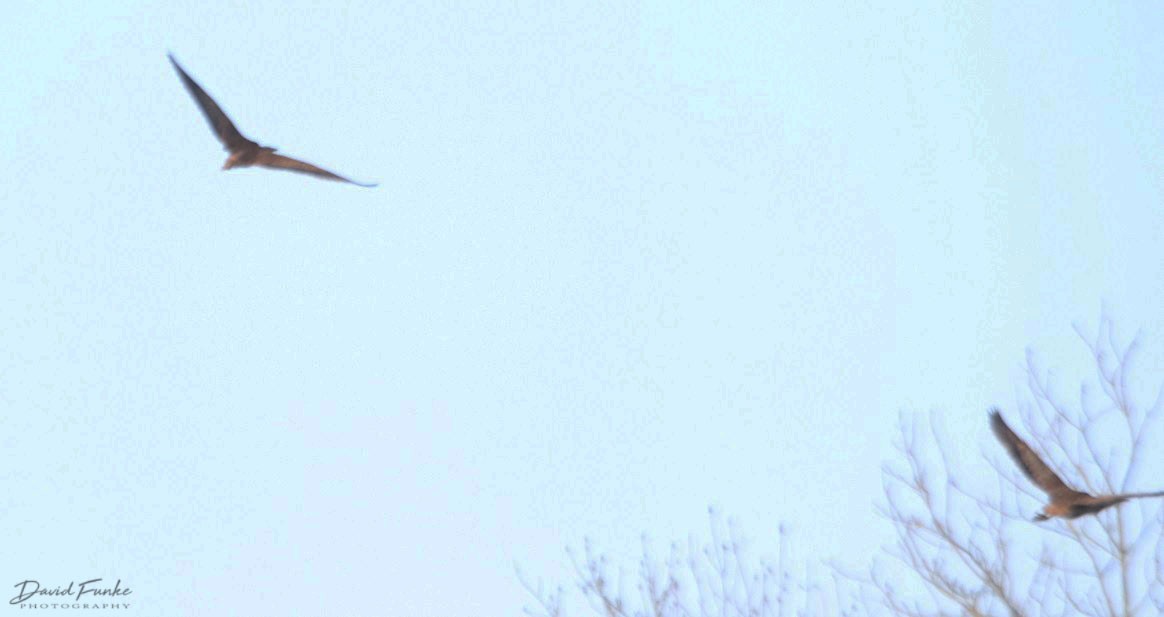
x,y
963,549
965,542
696,579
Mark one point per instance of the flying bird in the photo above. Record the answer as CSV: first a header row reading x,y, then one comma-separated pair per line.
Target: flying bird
x,y
244,152
1066,502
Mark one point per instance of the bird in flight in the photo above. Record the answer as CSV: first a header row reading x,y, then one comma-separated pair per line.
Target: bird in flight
x,y
1066,502
244,152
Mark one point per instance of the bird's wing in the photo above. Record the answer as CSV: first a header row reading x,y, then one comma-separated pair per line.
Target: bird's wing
x,y
1027,460
1139,495
267,158
223,128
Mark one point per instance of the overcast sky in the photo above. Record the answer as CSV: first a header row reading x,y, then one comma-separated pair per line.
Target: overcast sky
x,y
626,261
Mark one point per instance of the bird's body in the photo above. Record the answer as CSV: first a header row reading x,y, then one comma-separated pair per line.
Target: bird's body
x,y
243,151
1065,502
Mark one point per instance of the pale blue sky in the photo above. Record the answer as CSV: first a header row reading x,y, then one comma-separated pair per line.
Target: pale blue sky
x,y
625,261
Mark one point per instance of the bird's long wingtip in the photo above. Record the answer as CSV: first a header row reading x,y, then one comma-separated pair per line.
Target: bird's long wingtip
x,y
174,62
998,424
366,185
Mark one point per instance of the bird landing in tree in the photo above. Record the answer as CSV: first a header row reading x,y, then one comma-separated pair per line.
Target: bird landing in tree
x,y
1066,502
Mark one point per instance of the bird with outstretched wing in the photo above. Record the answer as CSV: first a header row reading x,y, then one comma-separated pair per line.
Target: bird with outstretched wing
x,y
244,152
1065,502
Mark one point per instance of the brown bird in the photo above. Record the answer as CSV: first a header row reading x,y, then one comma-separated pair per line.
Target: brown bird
x,y
244,152
1066,502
